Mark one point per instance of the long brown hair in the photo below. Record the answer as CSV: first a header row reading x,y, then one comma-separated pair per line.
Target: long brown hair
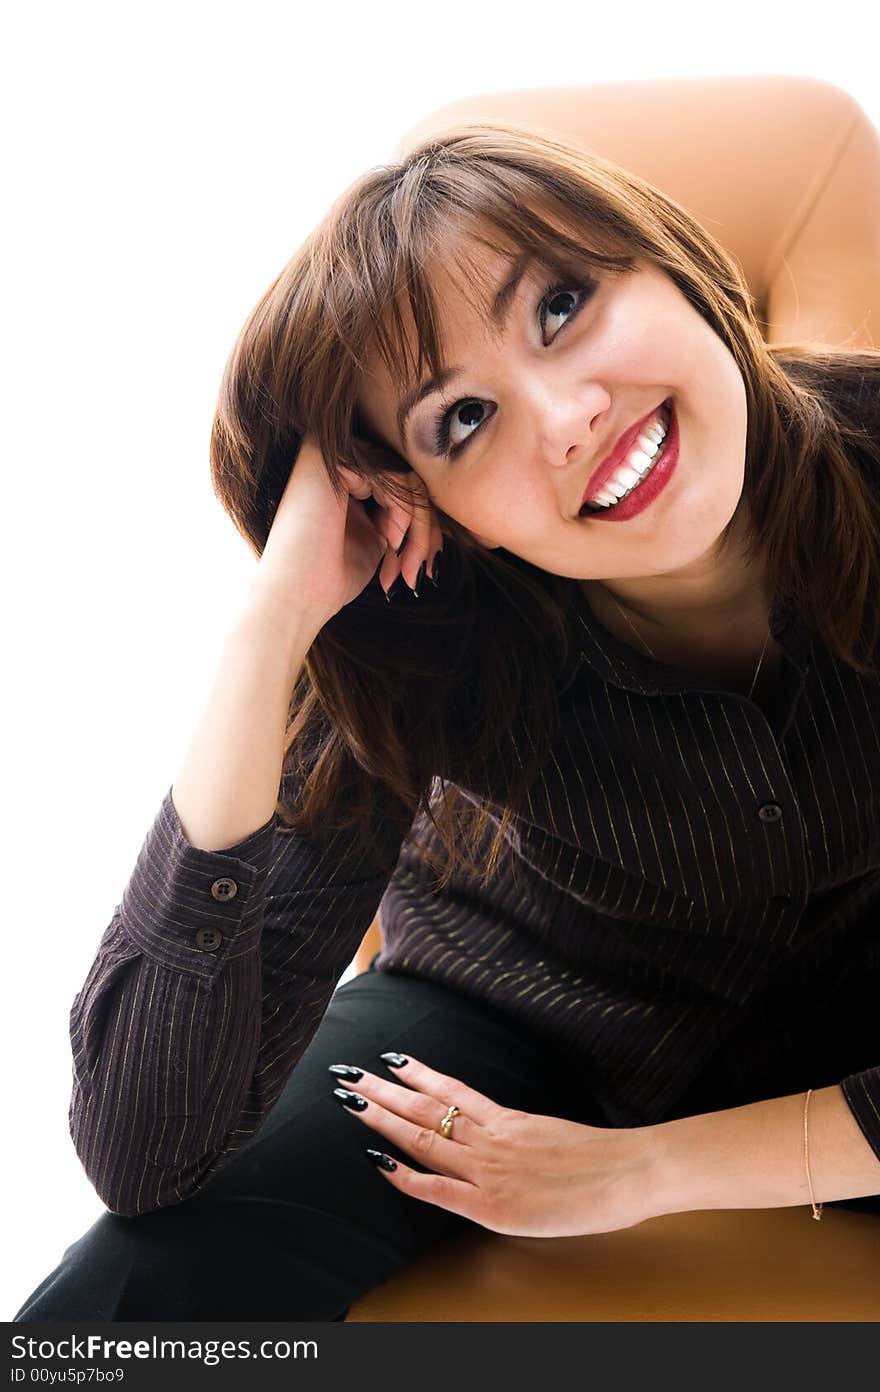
x,y
417,700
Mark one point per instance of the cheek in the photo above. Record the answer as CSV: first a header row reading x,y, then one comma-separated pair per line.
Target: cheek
x,y
471,508
515,505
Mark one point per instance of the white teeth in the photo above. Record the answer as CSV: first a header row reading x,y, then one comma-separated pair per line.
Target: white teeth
x,y
643,451
632,472
638,463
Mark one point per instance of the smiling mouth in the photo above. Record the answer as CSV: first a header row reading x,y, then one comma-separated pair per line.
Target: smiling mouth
x,y
643,469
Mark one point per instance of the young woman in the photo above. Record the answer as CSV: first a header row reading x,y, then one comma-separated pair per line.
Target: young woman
x,y
610,766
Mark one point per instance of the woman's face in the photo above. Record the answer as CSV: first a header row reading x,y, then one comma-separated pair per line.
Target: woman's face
x,y
538,407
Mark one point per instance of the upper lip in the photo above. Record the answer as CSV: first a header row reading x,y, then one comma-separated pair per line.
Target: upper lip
x,y
602,474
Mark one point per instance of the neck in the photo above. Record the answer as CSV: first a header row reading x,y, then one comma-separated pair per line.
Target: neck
x,y
713,623
709,595
684,621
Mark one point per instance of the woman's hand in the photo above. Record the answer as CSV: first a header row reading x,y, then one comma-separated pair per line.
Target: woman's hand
x,y
322,551
512,1172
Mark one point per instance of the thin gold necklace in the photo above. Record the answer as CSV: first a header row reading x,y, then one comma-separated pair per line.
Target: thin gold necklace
x,y
654,655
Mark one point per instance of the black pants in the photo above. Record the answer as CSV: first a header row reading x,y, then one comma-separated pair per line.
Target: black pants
x,y
298,1224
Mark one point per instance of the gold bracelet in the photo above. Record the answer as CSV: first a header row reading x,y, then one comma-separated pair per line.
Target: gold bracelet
x,y
817,1210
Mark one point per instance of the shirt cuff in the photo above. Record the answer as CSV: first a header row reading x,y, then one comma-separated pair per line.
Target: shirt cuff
x,y
862,1092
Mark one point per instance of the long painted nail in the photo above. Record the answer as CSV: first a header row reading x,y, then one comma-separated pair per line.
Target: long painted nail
x,y
420,579
350,1099
394,1060
397,588
379,1158
346,1070
435,568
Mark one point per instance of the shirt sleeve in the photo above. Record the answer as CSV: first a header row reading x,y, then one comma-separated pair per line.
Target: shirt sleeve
x,y
208,984
862,1092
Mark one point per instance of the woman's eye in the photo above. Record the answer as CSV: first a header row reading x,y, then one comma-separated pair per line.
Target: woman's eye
x,y
469,411
558,293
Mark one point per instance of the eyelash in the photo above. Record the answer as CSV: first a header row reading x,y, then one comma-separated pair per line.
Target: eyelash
x,y
443,420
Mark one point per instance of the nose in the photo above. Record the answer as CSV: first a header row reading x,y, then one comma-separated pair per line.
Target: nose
x,y
568,425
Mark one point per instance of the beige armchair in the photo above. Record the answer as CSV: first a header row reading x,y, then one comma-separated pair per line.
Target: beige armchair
x,y
784,171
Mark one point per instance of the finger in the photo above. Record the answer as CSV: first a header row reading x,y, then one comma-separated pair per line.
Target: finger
x,y
416,1107
383,524
455,1195
385,528
389,517
357,487
437,542
418,542
389,568
423,553
412,527
398,513
441,1087
435,538
390,520
421,1143
415,552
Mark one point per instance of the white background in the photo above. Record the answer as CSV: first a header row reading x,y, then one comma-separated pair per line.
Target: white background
x,y
161,164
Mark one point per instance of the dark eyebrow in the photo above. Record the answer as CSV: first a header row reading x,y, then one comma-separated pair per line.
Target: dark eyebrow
x,y
498,313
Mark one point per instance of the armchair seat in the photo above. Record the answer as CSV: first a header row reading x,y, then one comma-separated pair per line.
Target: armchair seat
x,y
745,1265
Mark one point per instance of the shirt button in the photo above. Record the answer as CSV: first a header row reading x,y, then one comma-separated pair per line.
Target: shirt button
x,y
209,939
770,812
224,889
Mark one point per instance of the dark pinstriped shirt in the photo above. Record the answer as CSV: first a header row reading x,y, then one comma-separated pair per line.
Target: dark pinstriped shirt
x,y
693,880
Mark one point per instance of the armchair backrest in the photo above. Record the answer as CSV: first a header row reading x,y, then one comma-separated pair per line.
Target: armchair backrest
x,y
784,171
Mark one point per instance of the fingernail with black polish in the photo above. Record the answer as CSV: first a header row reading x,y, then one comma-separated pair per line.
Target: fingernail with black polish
x,y
403,543
435,571
346,1070
419,579
398,586
350,1099
394,1060
379,1158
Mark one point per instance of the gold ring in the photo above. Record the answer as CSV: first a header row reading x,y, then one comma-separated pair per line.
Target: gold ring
x,y
445,1127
